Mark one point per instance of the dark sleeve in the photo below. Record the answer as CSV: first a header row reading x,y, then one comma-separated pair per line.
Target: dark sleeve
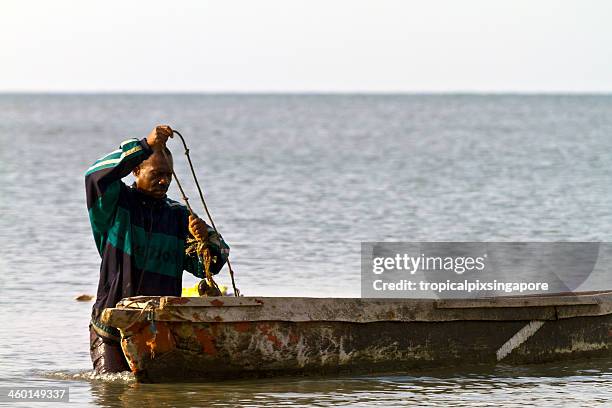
x,y
103,183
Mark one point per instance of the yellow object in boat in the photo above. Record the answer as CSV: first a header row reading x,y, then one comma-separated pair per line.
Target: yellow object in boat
x,y
193,291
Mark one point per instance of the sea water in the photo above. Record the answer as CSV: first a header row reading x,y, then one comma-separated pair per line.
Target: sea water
x,y
296,183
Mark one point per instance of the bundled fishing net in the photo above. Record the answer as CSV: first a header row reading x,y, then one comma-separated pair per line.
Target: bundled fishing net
x,y
208,286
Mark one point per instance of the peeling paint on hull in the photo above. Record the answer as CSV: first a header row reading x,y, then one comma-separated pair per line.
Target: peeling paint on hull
x,y
168,346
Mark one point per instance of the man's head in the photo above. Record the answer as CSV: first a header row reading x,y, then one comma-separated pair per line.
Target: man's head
x,y
153,176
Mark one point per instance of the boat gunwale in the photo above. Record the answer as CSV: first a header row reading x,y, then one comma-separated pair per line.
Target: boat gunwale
x,y
357,310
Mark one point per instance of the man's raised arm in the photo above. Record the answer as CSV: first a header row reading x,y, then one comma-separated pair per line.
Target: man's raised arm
x,y
103,183
103,179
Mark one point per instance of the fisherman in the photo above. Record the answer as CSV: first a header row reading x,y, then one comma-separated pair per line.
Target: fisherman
x,y
141,236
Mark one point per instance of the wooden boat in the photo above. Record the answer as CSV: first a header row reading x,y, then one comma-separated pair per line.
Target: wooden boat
x,y
173,339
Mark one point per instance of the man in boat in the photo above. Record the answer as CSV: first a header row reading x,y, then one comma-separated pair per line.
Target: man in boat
x,y
141,236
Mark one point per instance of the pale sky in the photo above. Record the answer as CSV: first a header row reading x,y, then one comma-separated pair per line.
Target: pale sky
x,y
306,46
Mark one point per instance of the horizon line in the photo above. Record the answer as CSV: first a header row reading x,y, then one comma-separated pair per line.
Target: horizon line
x,y
306,93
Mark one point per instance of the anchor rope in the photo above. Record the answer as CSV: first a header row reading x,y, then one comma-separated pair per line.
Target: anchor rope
x,y
206,262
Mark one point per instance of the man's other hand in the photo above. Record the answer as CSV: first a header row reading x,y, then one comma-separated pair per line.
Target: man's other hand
x,y
158,137
197,228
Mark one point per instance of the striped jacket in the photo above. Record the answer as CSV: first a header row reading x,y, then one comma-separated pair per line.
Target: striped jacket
x,y
141,239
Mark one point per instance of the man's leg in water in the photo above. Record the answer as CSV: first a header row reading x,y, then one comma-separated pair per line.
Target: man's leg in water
x,y
107,357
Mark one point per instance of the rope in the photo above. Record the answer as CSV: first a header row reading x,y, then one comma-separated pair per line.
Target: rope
x,y
149,306
186,200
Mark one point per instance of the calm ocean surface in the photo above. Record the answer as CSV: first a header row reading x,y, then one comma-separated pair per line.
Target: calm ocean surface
x,y
295,184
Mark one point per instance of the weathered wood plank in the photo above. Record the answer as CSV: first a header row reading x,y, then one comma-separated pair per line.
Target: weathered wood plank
x,y
352,310
516,302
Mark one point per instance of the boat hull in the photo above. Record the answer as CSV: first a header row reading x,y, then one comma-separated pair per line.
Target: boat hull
x,y
179,339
